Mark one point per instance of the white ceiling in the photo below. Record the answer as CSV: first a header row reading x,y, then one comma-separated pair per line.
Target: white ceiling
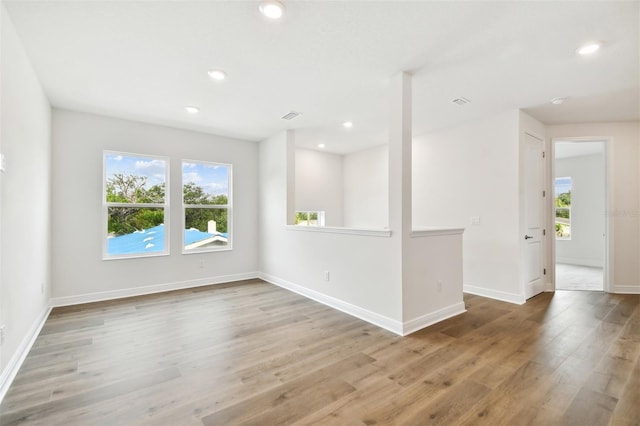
x,y
332,60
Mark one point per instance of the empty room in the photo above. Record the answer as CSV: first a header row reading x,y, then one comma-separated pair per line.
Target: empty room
x,y
289,212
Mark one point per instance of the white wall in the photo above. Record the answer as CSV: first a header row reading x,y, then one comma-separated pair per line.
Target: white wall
x,y
473,170
366,188
79,273
586,246
432,279
319,184
25,196
361,278
624,213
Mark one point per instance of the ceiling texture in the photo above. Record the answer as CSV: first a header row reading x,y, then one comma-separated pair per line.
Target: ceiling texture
x,y
332,61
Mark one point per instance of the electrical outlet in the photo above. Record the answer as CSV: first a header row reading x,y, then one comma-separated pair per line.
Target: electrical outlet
x,y
475,220
1,334
202,264
439,285
42,287
326,275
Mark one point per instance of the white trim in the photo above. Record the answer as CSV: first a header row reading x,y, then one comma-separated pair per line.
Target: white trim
x,y
626,289
151,289
228,207
382,321
608,275
419,323
494,294
433,232
14,364
335,230
166,207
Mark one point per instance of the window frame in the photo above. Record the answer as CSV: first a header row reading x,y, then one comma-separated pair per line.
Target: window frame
x,y
228,207
556,208
320,214
106,205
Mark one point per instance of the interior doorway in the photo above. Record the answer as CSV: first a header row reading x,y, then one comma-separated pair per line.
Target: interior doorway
x,y
580,225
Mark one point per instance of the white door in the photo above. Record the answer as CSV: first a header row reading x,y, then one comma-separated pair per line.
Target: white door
x,y
533,216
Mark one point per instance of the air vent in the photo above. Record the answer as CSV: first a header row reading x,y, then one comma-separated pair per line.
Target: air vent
x,y
290,115
461,101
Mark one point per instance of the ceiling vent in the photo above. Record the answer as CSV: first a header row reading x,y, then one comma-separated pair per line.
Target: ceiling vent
x,y
290,115
461,101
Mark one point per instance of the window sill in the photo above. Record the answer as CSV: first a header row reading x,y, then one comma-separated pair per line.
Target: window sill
x,y
422,232
135,256
334,230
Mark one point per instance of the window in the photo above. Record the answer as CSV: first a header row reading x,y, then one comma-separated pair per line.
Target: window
x,y
207,202
315,218
135,205
563,208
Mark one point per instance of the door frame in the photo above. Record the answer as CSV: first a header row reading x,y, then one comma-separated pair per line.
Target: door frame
x,y
608,223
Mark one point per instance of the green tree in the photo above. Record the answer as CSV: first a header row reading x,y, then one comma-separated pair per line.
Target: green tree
x,y
301,217
564,199
128,189
199,218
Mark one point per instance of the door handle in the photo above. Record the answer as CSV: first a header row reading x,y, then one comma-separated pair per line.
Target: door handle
x,y
526,237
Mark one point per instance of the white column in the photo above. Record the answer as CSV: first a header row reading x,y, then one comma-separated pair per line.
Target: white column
x,y
291,177
400,155
400,175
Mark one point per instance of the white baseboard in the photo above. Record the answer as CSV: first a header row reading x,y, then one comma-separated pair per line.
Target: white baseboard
x,y
394,326
139,291
429,319
382,321
579,261
14,364
518,299
626,289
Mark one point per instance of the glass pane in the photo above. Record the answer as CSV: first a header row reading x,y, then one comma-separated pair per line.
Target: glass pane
x,y
135,230
302,218
563,192
135,179
205,228
205,183
563,223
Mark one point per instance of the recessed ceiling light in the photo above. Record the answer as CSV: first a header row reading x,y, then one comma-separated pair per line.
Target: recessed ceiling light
x,y
321,145
558,101
589,48
192,109
272,9
217,74
347,124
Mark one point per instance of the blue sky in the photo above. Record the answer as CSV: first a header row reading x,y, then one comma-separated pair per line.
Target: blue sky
x,y
152,168
563,184
213,178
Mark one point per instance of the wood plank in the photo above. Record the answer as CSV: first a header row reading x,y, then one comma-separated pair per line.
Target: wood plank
x,y
590,408
254,353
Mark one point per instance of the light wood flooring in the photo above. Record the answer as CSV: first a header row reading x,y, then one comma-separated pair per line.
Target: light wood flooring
x,y
252,353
